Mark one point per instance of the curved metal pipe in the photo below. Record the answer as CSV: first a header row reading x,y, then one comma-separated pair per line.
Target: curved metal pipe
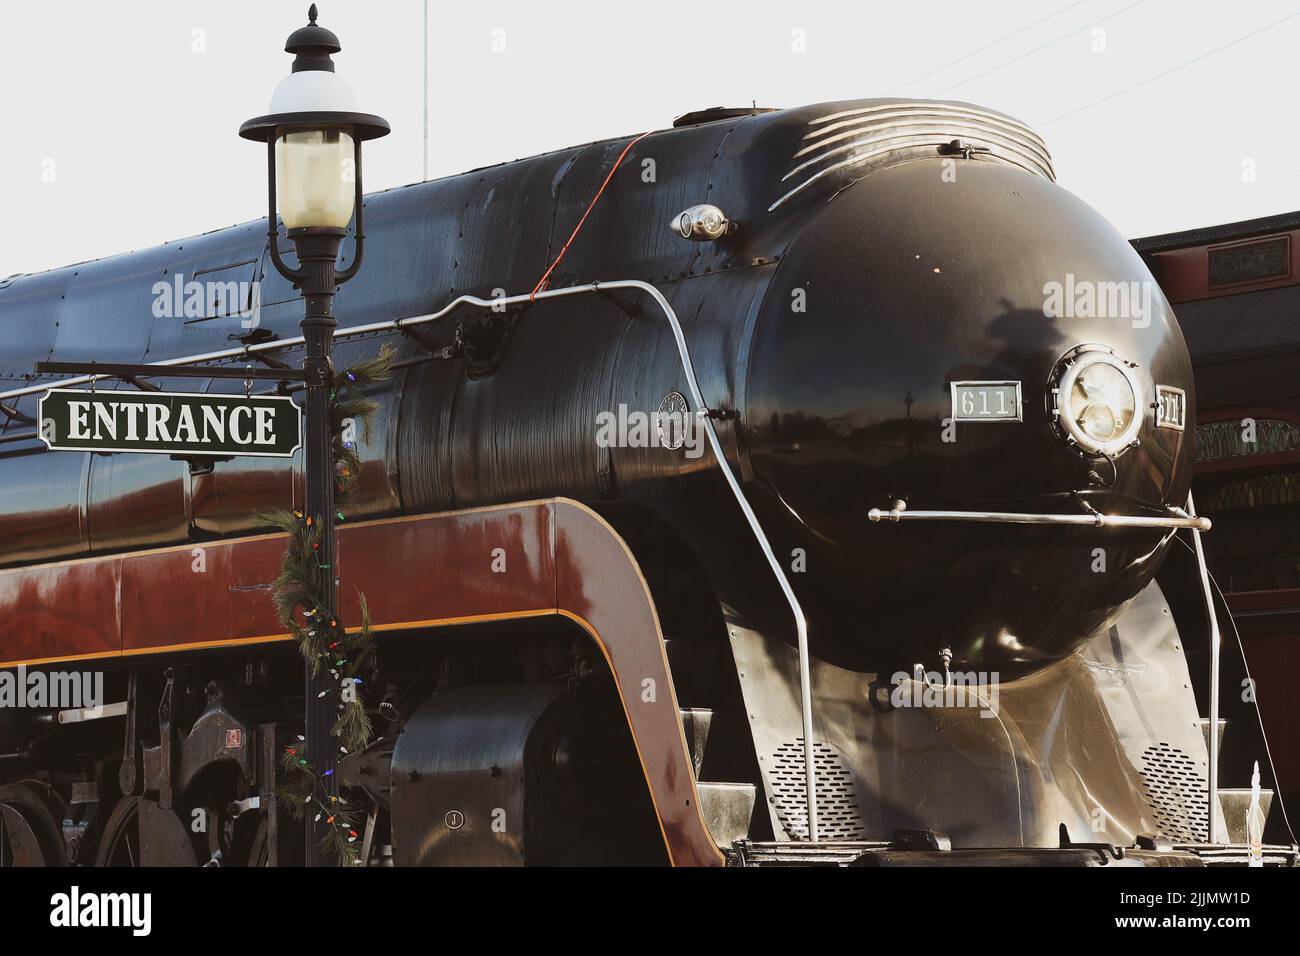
x,y
273,223
359,232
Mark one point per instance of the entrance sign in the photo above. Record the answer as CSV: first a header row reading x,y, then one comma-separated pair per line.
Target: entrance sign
x,y
170,423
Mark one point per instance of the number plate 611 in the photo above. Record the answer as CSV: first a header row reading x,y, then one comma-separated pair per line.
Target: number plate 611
x,y
986,402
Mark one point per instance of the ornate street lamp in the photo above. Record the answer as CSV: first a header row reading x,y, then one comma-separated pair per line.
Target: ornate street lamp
x,y
314,135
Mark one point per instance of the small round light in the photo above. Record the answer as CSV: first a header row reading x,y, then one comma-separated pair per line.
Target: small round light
x,y
1099,421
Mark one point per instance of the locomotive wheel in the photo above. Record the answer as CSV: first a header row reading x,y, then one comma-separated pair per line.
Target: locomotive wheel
x,y
120,844
140,833
259,851
291,844
29,835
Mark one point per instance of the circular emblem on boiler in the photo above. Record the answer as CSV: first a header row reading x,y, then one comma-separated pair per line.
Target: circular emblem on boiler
x,y
672,419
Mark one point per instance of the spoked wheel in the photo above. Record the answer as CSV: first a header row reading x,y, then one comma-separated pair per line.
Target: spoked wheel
x,y
120,845
291,844
29,835
259,852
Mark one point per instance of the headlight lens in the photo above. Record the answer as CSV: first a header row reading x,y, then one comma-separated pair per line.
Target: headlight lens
x,y
1099,421
1104,401
1097,401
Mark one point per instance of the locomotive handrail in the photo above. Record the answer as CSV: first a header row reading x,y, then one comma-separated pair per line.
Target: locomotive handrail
x,y
1215,639
801,622
1178,518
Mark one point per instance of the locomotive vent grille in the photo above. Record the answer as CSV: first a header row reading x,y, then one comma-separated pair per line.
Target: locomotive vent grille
x,y
857,141
1177,792
838,815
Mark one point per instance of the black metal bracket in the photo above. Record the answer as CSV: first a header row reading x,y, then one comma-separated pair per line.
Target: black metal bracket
x,y
15,415
454,350
252,336
128,774
961,148
201,464
167,741
140,384
1107,851
269,360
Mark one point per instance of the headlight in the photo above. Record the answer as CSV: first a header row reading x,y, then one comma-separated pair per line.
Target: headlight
x,y
1096,400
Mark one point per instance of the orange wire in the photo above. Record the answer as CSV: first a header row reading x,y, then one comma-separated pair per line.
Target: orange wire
x,y
541,283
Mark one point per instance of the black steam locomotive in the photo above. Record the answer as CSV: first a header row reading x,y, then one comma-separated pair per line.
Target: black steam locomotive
x,y
950,391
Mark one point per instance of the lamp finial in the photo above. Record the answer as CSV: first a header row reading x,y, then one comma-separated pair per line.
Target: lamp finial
x,y
312,46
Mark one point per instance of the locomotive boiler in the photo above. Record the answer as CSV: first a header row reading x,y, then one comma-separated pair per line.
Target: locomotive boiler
x,y
952,409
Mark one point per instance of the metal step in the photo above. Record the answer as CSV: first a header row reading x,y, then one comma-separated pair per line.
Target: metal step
x,y
727,809
1204,723
1235,801
696,722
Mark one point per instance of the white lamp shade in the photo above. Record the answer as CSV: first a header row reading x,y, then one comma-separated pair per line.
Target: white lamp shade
x,y
313,91
315,178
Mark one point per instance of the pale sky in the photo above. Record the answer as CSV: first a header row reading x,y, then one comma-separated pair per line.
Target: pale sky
x,y
120,118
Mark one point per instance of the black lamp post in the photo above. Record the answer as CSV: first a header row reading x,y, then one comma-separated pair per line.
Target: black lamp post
x,y
313,135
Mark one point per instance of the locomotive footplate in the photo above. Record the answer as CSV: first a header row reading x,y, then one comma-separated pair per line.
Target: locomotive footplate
x,y
904,853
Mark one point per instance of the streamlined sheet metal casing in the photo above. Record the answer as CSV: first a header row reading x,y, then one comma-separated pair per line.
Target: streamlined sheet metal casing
x,y
917,238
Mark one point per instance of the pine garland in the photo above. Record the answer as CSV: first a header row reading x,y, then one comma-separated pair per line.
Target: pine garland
x,y
325,644
348,402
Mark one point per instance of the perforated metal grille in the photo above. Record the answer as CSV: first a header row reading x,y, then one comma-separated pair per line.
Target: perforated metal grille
x,y
1177,792
838,815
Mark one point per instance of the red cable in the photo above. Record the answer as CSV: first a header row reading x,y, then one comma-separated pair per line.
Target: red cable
x,y
541,283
